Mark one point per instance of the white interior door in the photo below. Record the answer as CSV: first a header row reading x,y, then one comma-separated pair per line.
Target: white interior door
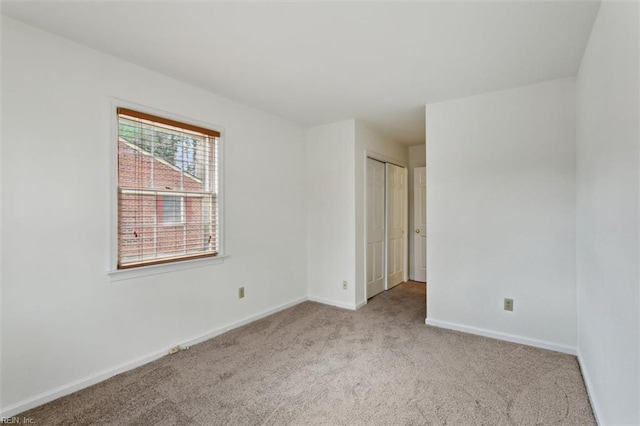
x,y
396,216
420,222
375,226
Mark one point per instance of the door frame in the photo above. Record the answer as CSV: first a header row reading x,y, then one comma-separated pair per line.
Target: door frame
x,y
405,244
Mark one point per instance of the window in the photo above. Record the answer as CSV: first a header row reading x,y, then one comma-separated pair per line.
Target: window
x,y
167,190
172,212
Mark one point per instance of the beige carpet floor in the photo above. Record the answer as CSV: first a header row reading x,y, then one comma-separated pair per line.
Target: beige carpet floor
x,y
315,364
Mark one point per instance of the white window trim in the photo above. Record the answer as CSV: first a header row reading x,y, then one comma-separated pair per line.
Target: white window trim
x,y
162,268
112,271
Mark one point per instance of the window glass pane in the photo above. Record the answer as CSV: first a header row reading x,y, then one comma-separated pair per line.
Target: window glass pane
x,y
171,209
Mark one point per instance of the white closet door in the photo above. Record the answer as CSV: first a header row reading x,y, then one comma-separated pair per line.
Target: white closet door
x,y
375,226
396,189
420,220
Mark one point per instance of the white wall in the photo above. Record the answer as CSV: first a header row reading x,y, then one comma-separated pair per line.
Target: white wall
x,y
371,143
63,320
1,227
331,213
501,213
607,214
336,156
417,158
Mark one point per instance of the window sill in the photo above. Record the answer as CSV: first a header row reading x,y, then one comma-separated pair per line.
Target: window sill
x,y
143,271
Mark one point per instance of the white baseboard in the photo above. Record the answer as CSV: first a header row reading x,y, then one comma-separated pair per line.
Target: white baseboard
x,y
589,385
502,336
85,382
244,321
361,304
76,385
330,302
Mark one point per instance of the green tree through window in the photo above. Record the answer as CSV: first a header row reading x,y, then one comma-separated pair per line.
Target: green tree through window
x,y
178,149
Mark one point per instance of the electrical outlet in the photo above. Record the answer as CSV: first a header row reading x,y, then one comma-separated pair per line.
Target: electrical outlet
x,y
174,350
240,292
344,285
508,304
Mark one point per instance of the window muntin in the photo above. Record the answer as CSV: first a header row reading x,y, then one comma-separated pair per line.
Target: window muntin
x,y
167,190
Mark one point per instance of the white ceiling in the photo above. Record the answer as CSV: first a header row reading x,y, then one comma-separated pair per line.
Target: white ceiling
x,y
316,63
